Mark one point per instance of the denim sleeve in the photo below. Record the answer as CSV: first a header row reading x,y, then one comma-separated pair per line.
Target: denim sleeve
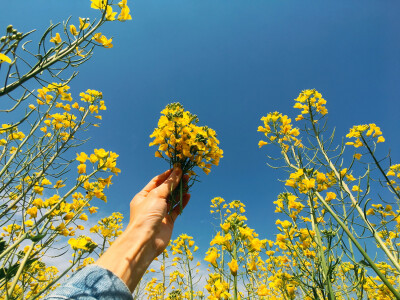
x,y
92,283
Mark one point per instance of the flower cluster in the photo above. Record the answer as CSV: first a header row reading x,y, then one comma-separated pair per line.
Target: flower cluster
x,y
309,100
306,180
109,228
108,14
291,203
10,133
361,132
394,171
181,140
104,6
181,281
236,247
101,160
217,288
278,128
82,243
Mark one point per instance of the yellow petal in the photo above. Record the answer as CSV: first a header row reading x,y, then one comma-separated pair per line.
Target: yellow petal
x,y
5,58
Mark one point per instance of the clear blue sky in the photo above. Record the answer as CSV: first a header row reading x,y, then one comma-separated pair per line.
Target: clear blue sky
x,y
230,62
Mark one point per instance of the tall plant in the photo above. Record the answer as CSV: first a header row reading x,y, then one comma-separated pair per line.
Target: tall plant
x,y
39,203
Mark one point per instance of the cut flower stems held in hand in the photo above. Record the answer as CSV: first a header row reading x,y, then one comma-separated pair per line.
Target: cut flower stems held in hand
x,y
181,142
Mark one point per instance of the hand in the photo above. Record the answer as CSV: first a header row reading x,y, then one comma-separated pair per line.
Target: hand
x,y
149,230
149,209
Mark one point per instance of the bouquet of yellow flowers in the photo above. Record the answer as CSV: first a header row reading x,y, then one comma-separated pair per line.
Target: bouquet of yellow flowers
x,y
181,141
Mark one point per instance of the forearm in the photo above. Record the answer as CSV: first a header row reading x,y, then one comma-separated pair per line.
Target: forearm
x,y
130,255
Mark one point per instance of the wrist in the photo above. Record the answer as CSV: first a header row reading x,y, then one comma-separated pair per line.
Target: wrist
x,y
130,255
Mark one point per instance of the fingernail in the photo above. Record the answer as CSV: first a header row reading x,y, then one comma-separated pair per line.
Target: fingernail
x,y
177,165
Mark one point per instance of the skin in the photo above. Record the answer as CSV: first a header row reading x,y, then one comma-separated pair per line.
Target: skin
x,y
148,232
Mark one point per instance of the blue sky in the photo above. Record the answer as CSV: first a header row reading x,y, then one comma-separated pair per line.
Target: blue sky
x,y
230,62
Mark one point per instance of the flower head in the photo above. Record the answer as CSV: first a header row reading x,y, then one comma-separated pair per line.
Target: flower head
x,y
181,140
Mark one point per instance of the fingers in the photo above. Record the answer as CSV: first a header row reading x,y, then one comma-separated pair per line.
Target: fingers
x,y
177,210
155,182
165,188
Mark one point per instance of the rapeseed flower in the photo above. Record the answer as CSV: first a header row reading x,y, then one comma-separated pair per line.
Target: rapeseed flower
x,y
182,141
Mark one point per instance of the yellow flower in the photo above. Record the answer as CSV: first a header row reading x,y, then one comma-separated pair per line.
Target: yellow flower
x,y
262,290
32,211
100,153
285,224
262,143
291,183
82,169
124,15
309,183
93,209
123,3
4,58
81,157
83,217
107,43
79,52
357,156
38,202
225,227
56,39
68,216
381,139
97,37
212,256
330,196
59,184
83,23
82,243
370,212
390,173
110,15
72,29
29,223
45,181
38,189
299,118
233,266
291,290
98,4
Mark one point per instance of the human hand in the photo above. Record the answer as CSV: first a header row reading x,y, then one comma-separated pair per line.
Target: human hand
x,y
149,209
149,230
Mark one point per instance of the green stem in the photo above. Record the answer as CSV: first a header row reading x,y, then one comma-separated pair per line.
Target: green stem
x,y
163,275
360,211
20,269
320,250
351,236
189,271
235,292
40,66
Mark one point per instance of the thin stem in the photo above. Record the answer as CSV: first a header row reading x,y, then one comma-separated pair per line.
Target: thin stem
x,y
20,269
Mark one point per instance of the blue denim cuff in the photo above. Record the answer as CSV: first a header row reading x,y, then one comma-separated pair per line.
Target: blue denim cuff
x,y
92,282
